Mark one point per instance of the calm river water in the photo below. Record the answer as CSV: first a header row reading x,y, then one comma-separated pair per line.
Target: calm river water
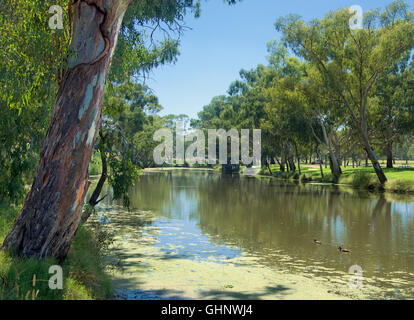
x,y
201,234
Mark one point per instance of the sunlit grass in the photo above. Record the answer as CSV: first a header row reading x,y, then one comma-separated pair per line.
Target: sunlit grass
x,y
400,179
84,270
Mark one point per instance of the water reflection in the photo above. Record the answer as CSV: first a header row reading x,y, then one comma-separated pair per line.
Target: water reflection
x,y
205,213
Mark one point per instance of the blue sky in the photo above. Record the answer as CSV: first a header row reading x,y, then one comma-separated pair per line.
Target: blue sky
x,y
224,40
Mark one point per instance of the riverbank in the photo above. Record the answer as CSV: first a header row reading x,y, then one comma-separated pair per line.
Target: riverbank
x,y
400,180
84,271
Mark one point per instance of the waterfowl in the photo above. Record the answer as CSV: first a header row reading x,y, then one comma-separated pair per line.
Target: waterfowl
x,y
344,250
317,242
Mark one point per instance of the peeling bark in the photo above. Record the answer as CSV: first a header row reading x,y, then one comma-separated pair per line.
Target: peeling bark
x,y
52,210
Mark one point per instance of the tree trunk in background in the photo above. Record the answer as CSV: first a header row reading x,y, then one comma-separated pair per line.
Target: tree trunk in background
x,y
268,167
320,160
333,161
52,209
335,167
298,157
377,167
389,155
93,201
290,158
282,164
371,154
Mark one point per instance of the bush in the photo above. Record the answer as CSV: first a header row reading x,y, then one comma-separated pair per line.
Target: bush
x,y
362,180
329,178
95,166
400,186
304,178
75,291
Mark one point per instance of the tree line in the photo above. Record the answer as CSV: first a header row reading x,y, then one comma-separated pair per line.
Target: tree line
x,y
329,90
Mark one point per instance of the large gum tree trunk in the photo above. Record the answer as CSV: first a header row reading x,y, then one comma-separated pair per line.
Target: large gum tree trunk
x,y
52,209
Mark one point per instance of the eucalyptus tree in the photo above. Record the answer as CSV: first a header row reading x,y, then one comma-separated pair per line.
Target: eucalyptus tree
x,y
286,117
330,117
393,110
52,210
351,61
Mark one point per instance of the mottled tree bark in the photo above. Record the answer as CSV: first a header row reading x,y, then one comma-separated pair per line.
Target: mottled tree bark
x,y
52,209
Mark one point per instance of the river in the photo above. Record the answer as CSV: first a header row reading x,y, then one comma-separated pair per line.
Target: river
x,y
203,235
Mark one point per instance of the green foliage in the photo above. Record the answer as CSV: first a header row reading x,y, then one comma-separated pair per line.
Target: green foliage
x,y
328,91
400,186
347,63
95,166
33,55
85,275
362,180
75,291
88,261
122,178
33,59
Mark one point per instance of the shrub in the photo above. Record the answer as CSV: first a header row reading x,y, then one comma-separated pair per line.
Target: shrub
x,y
95,166
400,186
362,180
304,178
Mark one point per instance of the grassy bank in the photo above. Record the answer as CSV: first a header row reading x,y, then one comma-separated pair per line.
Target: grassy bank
x,y
400,180
84,272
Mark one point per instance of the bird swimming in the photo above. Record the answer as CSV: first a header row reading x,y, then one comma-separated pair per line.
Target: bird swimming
x,y
344,250
317,242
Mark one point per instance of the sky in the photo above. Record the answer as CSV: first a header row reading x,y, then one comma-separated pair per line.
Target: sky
x,y
226,39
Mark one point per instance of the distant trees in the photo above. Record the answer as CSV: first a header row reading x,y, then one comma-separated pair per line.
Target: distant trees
x,y
341,92
393,109
351,61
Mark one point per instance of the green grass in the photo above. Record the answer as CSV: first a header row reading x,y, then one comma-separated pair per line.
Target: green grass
x,y
85,275
95,165
400,180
